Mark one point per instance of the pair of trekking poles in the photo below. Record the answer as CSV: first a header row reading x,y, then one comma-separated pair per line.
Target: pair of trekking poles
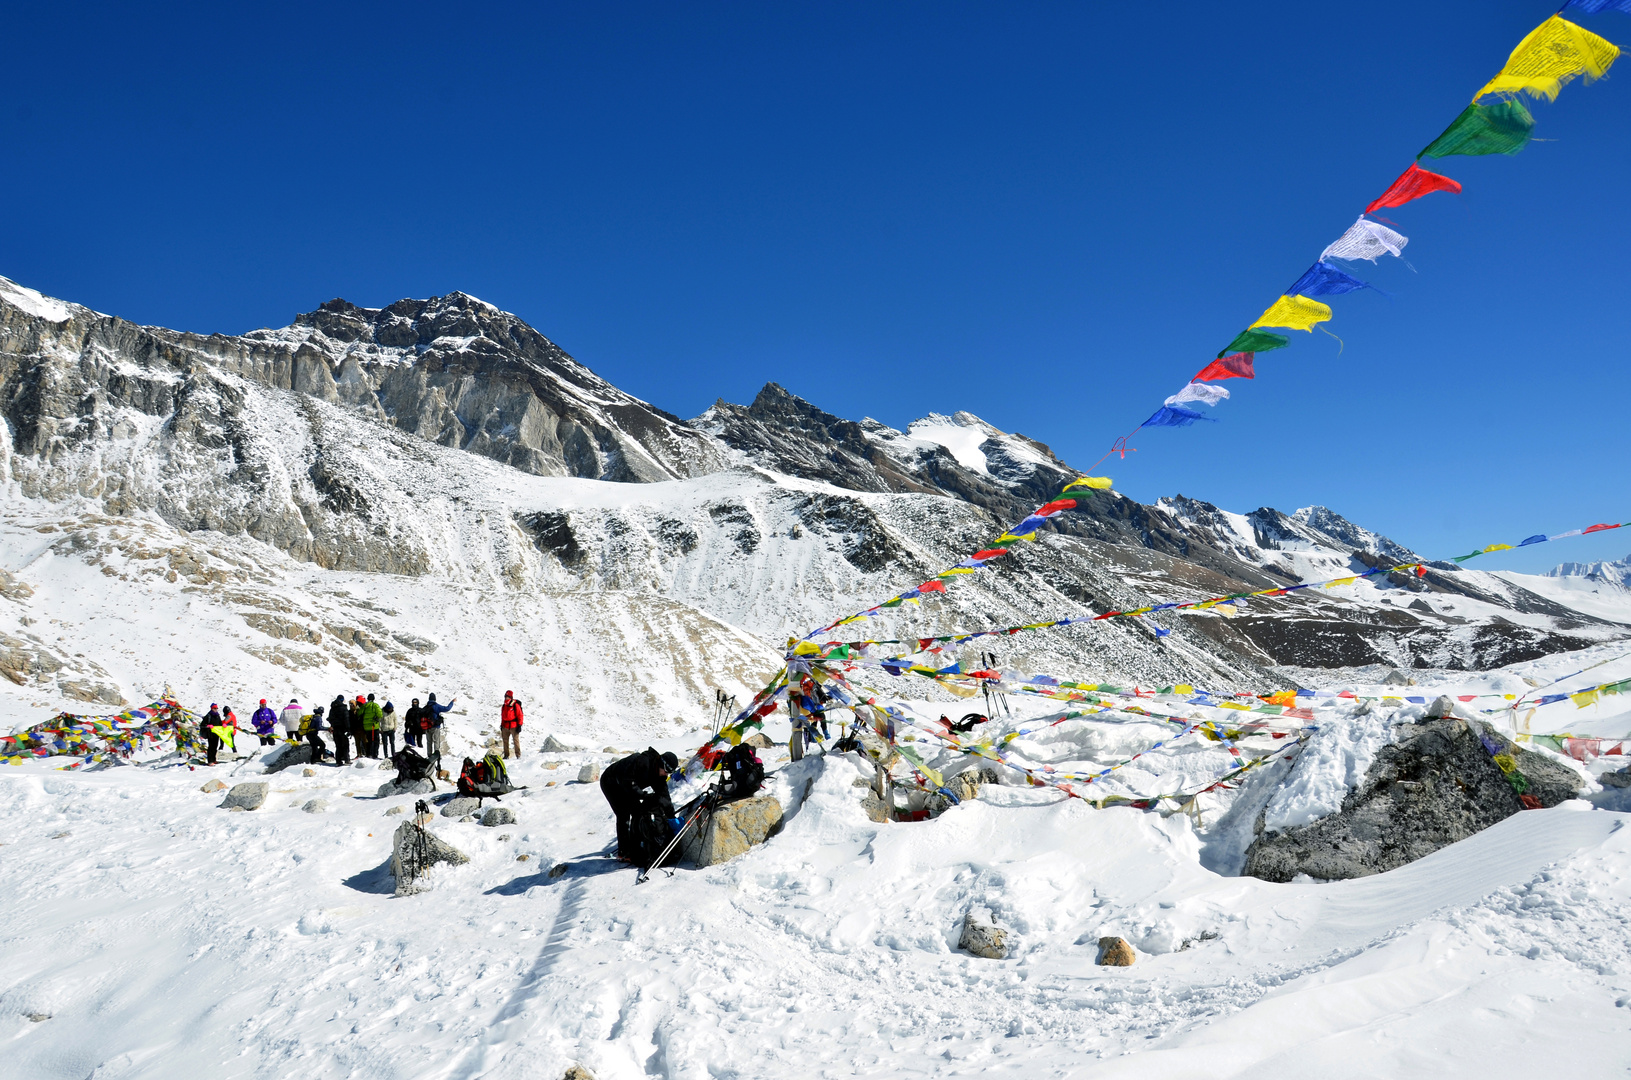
x,y
709,800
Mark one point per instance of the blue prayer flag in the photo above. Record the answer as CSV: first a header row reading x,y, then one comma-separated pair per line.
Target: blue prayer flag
x,y
1323,279
1173,416
1593,7
1540,538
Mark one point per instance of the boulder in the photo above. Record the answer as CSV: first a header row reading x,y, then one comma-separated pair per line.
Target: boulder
x,y
498,815
315,806
212,786
578,1072
247,796
308,772
1115,952
610,750
731,830
1396,678
286,756
1440,781
1618,779
589,773
414,850
965,786
460,807
983,939
395,810
552,745
758,740
413,787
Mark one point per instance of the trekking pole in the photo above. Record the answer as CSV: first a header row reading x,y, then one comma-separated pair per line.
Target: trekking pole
x,y
244,762
705,804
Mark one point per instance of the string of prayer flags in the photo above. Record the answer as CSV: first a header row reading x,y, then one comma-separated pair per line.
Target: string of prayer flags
x,y
1254,341
1365,240
1294,312
1173,416
1412,184
1541,538
1199,391
1555,52
1503,127
1238,366
1323,279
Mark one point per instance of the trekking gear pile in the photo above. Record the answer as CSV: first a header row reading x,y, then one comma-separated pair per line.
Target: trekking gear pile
x,y
484,779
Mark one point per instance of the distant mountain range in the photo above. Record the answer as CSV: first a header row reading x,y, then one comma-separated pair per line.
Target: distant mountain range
x,y
445,449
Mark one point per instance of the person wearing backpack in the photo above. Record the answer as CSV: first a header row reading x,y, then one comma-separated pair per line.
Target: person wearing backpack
x,y
265,722
509,723
339,722
387,731
636,788
743,772
438,737
311,727
291,716
212,738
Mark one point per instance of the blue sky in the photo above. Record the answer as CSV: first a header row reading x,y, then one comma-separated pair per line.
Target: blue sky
x,y
1050,215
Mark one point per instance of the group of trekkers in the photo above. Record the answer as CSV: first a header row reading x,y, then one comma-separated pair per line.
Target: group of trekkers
x,y
363,723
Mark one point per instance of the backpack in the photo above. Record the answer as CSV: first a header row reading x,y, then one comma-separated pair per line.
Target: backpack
x,y
744,775
484,779
411,766
650,833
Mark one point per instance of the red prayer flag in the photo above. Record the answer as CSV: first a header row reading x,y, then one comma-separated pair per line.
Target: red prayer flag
x,y
1599,528
1412,184
1054,507
989,553
1235,366
932,586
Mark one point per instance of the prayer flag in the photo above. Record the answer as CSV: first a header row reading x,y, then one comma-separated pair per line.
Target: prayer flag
x,y
1323,279
1365,240
1296,312
1598,528
1097,483
1540,538
1199,391
1596,7
1553,53
1172,416
1503,127
1413,184
1238,366
1255,341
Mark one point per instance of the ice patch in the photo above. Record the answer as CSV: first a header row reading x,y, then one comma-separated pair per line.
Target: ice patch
x,y
33,303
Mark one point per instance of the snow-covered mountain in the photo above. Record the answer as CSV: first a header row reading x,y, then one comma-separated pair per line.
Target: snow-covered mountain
x,y
434,494
1615,572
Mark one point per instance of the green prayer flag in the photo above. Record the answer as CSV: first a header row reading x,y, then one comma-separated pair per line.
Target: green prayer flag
x,y
1501,128
1255,341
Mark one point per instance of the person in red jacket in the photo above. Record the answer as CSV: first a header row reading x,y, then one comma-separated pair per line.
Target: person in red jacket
x,y
509,723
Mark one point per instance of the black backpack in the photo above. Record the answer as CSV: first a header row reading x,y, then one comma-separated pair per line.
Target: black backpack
x,y
744,776
411,766
651,833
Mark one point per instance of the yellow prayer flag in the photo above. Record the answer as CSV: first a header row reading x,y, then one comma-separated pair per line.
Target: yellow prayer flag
x,y
1340,581
1294,313
1498,547
1097,483
1553,53
1584,698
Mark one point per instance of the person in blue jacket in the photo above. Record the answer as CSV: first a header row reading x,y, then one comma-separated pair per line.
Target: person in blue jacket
x,y
438,737
265,721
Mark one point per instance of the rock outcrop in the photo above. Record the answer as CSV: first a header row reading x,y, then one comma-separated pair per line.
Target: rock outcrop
x,y
247,796
1442,781
731,830
414,850
1115,952
983,938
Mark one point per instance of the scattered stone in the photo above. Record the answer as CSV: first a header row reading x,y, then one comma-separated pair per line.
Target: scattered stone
x,y
610,750
965,785
558,869
1620,779
1442,708
578,1072
522,858
498,815
983,939
40,1018
213,786
458,808
552,745
395,810
1438,783
413,787
414,850
308,772
550,784
731,830
553,764
1115,952
386,765
61,835
247,796
589,773
467,818
360,765
1395,678
315,806
503,836
758,740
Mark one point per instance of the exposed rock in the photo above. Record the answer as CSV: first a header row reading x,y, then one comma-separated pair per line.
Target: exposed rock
x,y
965,786
552,745
213,786
414,850
308,772
731,830
610,750
286,755
1440,782
460,807
1619,779
315,806
414,787
759,741
589,773
247,796
1115,952
578,1072
498,815
395,810
1395,678
983,939
559,869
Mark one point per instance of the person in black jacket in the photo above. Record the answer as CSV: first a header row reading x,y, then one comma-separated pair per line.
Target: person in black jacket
x,y
636,787
411,734
339,722
212,741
